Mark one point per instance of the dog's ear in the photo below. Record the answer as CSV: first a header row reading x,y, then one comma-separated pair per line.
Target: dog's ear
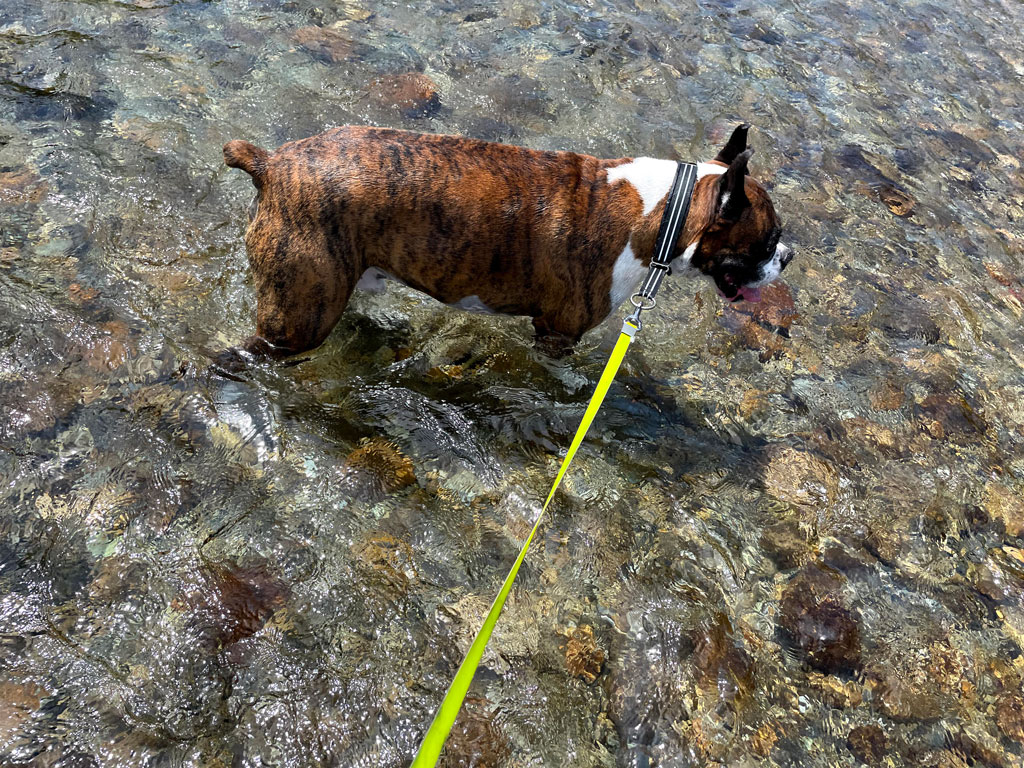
x,y
735,145
732,197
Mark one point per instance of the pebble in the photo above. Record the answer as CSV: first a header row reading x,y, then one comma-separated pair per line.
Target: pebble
x,y
1003,504
867,743
583,657
383,463
800,478
814,622
412,93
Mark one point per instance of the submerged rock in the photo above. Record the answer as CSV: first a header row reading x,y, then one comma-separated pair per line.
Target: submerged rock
x,y
1010,716
476,740
232,602
412,93
17,703
327,44
583,657
867,743
383,463
21,185
1003,504
784,543
814,622
798,477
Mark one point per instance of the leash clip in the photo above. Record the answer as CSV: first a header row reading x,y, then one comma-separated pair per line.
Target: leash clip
x,y
640,305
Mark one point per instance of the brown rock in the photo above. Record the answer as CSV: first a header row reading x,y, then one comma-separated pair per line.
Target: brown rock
x,y
1003,504
381,460
768,344
233,602
388,561
785,544
835,692
872,435
412,93
21,186
798,477
17,703
897,200
754,402
1010,716
327,44
867,743
905,702
722,666
583,657
764,739
1000,273
887,395
775,312
813,622
950,415
476,740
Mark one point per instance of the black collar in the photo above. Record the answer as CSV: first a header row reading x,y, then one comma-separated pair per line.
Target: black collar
x,y
677,206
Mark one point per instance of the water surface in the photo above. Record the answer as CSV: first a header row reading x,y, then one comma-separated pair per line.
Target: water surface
x,y
792,539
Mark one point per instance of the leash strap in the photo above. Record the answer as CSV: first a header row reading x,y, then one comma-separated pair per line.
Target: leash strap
x,y
676,207
443,721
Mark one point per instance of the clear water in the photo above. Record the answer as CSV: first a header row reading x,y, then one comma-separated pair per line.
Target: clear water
x,y
285,570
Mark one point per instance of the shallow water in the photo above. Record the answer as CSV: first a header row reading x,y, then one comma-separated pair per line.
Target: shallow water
x,y
793,538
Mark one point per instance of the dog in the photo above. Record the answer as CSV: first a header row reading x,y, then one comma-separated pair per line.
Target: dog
x,y
561,237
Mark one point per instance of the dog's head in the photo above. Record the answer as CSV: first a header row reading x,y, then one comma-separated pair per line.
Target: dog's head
x,y
734,234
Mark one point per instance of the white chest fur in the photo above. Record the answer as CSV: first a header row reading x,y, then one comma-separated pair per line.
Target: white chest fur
x,y
652,180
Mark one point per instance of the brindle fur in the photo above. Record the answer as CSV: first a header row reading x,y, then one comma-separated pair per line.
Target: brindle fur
x,y
528,232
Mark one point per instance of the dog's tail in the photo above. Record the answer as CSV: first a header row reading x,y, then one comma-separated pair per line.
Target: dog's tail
x,y
248,157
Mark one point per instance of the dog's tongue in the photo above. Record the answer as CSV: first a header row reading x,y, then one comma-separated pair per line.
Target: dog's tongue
x,y
750,294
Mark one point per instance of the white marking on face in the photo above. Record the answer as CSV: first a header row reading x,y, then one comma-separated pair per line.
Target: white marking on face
x,y
372,280
626,275
472,304
651,178
772,267
682,262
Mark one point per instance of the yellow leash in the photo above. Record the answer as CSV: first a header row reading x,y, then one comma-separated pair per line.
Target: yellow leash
x,y
677,205
433,742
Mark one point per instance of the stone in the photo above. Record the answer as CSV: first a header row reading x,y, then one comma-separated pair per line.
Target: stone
x,y
1003,504
476,740
1010,716
800,478
834,692
387,561
784,543
326,44
17,703
232,602
904,701
754,402
1001,274
898,201
775,312
815,624
723,666
20,186
412,93
583,657
867,743
386,466
887,395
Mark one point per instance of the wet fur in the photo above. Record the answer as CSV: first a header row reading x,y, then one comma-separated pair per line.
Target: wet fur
x,y
526,232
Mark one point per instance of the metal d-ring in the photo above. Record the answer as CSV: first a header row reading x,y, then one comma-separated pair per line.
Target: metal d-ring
x,y
641,306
